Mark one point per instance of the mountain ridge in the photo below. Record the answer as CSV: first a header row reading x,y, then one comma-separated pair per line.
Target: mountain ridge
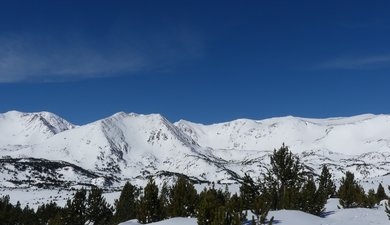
x,y
135,146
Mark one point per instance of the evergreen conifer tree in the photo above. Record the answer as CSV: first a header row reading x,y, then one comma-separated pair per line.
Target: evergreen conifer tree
x,y
371,199
57,219
164,201
126,205
249,191
183,198
220,217
350,193
150,202
142,211
28,216
380,193
98,211
46,212
312,200
235,210
326,184
75,210
210,201
260,209
284,179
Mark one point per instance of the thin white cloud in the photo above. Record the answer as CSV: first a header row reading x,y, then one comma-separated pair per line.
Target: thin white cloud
x,y
366,62
44,59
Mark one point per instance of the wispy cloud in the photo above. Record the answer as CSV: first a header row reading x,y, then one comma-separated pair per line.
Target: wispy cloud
x,y
44,59
363,62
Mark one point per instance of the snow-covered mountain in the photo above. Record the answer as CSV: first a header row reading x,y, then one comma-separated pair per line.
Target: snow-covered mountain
x,y
133,146
353,135
18,129
360,144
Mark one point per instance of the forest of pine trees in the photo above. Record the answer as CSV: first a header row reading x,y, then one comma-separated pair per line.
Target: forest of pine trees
x,y
352,194
286,185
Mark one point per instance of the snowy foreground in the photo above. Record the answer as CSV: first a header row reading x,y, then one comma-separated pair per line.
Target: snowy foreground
x,y
332,216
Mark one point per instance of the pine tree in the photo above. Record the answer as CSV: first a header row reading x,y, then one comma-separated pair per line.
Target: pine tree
x,y
46,212
126,205
284,179
183,198
142,211
75,210
164,201
380,193
151,203
235,208
371,199
5,210
98,211
220,217
326,184
57,219
16,214
350,193
28,216
249,191
210,201
260,209
312,200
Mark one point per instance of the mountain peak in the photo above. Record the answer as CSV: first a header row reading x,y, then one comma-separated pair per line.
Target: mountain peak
x,y
20,128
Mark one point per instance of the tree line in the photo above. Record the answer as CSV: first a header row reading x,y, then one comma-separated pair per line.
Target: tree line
x,y
286,185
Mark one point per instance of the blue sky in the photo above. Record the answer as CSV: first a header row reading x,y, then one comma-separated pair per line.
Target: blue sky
x,y
204,61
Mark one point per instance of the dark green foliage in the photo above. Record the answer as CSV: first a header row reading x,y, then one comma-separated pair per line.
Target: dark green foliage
x,y
28,216
370,199
6,209
312,200
183,198
260,209
98,211
284,179
15,215
220,217
75,209
249,191
235,208
210,202
46,212
350,193
164,201
326,184
387,209
253,199
126,205
142,211
216,207
150,206
57,219
380,193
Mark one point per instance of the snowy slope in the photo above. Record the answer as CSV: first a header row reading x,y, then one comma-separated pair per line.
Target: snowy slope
x,y
126,146
18,129
334,216
134,146
360,144
352,135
